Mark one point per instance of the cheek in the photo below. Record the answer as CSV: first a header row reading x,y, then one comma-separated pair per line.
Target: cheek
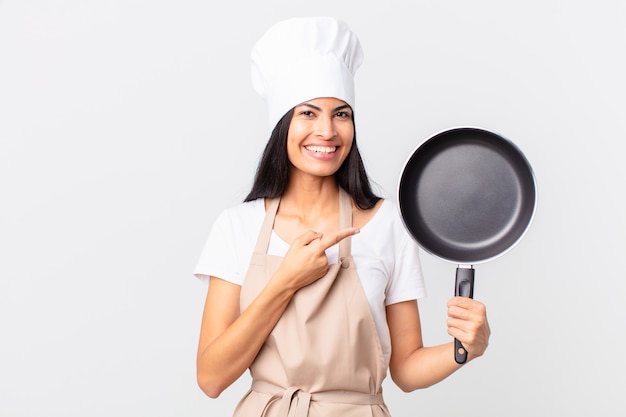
x,y
348,142
347,132
295,134
293,147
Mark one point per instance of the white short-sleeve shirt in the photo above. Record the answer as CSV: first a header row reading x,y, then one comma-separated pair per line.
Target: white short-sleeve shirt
x,y
385,256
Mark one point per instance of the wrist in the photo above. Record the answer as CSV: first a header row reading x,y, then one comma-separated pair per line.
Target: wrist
x,y
279,286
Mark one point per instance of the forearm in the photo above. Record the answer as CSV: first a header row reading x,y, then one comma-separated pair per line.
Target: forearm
x,y
230,341
226,357
414,366
426,366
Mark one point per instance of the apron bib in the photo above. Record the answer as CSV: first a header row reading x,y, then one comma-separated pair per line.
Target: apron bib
x,y
323,357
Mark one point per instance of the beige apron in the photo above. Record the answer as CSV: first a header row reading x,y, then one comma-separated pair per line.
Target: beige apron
x,y
323,357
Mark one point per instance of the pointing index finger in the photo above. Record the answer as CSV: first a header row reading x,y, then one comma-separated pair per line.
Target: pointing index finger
x,y
332,239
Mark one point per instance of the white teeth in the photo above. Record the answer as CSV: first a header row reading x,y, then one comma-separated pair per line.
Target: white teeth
x,y
321,149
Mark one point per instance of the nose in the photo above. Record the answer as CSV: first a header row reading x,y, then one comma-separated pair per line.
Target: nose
x,y
325,128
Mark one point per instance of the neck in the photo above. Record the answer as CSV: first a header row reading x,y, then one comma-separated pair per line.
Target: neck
x,y
313,195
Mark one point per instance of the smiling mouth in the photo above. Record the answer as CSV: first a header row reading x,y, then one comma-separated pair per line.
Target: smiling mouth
x,y
321,149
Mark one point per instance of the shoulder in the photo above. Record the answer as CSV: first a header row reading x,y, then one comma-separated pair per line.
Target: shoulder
x,y
387,228
381,224
230,244
247,208
387,215
362,217
243,217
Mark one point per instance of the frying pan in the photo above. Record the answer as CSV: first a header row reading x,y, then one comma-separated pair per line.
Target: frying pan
x,y
466,195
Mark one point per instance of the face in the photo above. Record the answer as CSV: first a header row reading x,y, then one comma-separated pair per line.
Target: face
x,y
320,136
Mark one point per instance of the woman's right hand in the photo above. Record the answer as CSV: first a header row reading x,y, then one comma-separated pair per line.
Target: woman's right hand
x,y
306,261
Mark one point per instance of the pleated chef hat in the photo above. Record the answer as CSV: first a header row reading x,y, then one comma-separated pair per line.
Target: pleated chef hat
x,y
300,59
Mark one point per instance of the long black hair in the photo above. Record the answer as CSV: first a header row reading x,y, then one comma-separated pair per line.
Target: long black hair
x,y
272,174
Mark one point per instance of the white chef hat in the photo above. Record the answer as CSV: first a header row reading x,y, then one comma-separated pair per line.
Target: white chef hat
x,y
300,59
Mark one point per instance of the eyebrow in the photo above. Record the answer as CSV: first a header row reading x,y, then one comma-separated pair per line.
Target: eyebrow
x,y
343,106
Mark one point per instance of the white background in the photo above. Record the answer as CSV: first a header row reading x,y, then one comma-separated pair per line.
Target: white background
x,y
126,126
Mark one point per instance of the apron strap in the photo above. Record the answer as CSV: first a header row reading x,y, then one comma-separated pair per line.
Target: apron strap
x,y
263,241
345,221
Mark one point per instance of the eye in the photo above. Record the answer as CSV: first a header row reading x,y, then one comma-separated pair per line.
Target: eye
x,y
307,113
343,114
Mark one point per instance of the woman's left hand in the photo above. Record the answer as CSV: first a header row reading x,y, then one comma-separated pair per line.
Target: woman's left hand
x,y
467,322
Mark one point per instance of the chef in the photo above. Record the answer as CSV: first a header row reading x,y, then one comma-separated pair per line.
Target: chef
x,y
313,281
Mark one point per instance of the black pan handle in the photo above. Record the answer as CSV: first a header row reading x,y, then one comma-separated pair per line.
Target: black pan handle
x,y
464,287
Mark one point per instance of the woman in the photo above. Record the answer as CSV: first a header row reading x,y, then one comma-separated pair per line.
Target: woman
x,y
318,320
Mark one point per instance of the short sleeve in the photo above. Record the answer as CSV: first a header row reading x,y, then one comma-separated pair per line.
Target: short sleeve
x,y
219,257
406,281
228,249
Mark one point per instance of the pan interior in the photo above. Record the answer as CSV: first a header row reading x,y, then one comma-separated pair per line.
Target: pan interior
x,y
467,195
